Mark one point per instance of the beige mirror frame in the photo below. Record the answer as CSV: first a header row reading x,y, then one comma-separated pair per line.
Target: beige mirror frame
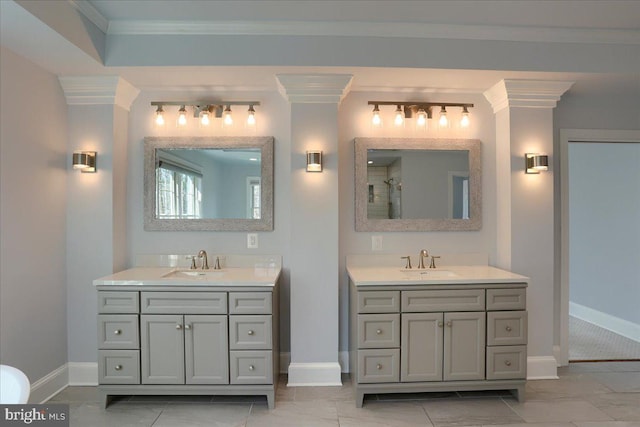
x,y
265,223
473,146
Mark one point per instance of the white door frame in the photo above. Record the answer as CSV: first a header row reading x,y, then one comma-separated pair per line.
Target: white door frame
x,y
568,136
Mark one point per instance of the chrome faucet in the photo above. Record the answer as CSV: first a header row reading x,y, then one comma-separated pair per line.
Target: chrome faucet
x,y
408,258
205,262
423,254
433,261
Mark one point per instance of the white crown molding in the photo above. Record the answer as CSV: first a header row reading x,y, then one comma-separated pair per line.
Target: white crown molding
x,y
526,93
91,13
314,88
98,90
375,29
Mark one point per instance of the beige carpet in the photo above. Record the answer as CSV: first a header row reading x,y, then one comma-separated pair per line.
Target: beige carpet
x,y
590,342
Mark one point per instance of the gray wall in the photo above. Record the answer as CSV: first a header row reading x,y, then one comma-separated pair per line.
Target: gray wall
x,y
33,175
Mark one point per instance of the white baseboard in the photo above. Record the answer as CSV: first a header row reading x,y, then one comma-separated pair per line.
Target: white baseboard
x,y
542,368
49,385
614,324
83,373
343,359
556,355
314,374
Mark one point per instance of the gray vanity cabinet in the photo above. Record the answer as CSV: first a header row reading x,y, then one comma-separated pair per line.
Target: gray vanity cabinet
x,y
418,338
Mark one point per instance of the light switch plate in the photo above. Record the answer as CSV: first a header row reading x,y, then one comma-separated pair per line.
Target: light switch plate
x,y
252,241
376,243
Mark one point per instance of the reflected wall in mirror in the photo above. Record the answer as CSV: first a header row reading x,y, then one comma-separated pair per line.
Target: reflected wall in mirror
x,y
418,184
208,183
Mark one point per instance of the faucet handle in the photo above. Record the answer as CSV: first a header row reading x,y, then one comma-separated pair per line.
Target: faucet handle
x,y
193,262
216,265
408,258
433,261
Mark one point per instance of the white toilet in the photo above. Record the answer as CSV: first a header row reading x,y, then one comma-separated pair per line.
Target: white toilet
x,y
14,386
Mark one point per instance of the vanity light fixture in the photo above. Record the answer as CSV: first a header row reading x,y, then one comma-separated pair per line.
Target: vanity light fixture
x,y
535,162
204,111
422,112
314,161
84,161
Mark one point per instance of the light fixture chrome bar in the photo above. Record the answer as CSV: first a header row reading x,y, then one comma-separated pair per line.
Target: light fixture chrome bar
x,y
419,104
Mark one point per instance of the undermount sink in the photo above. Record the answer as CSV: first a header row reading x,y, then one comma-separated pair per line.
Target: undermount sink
x,y
195,274
428,274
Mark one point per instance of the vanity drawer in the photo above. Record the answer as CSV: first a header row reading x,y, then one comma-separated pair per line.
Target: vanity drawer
x,y
506,327
378,330
251,367
118,331
250,332
249,302
507,299
508,362
183,302
118,302
443,300
378,301
119,367
379,366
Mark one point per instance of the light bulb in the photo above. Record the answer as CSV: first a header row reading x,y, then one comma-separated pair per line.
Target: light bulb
x,y
443,121
421,119
399,120
204,119
228,119
251,118
160,116
182,116
376,120
464,120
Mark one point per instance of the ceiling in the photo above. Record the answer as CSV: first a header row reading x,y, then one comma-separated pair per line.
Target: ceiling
x,y
606,21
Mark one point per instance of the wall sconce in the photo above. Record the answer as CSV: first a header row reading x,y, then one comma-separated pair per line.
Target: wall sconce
x,y
421,110
314,161
204,110
534,162
85,161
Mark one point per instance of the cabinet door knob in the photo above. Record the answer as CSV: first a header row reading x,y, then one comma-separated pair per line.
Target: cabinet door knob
x,y
250,332
378,331
378,366
117,331
508,328
118,367
449,323
440,324
178,326
251,367
507,362
187,326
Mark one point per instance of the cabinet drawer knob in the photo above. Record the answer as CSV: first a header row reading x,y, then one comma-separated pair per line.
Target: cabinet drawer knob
x,y
251,367
378,366
378,331
508,328
507,362
118,367
178,326
449,323
187,326
250,332
117,331
440,324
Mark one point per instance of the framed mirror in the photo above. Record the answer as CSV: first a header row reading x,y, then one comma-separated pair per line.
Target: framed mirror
x,y
208,183
418,184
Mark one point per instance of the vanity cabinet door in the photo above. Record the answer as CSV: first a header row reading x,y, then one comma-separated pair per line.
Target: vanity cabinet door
x,y
206,350
421,352
464,346
162,349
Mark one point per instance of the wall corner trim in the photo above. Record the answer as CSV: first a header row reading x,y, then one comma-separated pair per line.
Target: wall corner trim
x,y
98,90
526,93
314,374
314,88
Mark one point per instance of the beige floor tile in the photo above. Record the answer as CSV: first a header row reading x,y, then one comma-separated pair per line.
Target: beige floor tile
x,y
465,412
535,425
558,411
210,415
92,414
608,424
620,406
619,381
295,414
78,394
379,414
331,394
567,386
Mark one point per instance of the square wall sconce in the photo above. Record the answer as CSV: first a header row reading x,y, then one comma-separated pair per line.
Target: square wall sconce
x,y
84,161
314,161
534,162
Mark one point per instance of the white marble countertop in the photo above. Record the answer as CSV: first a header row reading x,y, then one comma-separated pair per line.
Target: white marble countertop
x,y
170,276
446,275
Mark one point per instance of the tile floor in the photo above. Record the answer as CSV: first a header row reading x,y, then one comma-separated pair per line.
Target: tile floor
x,y
586,395
589,342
